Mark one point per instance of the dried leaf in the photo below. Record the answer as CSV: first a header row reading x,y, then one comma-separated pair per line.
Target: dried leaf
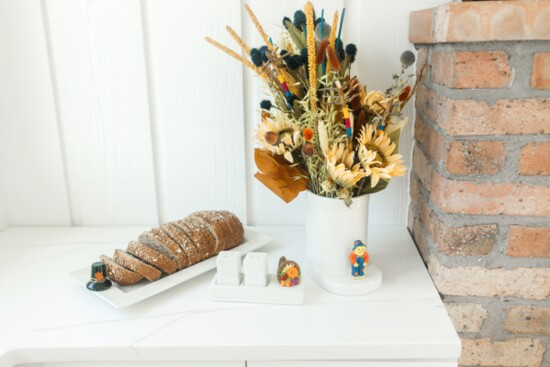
x,y
276,174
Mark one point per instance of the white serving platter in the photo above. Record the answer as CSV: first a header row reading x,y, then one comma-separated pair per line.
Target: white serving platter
x,y
121,297
272,293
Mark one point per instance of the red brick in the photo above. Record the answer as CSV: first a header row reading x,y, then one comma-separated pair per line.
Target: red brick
x,y
527,320
513,353
469,117
420,241
540,77
422,168
529,283
414,190
534,159
474,157
478,69
529,242
481,21
467,197
470,240
420,26
429,139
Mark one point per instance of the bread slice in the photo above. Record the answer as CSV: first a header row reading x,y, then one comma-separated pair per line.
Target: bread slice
x,y
218,226
181,238
119,274
198,233
152,257
167,241
134,264
165,245
237,229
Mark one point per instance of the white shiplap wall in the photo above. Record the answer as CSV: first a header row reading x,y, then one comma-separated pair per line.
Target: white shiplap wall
x,y
118,113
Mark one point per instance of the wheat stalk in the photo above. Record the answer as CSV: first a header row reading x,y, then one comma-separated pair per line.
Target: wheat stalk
x,y
332,39
311,57
238,39
258,26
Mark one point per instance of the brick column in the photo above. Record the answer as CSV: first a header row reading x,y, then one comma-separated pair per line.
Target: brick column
x,y
480,182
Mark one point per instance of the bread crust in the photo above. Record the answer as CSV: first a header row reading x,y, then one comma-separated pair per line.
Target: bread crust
x,y
136,265
152,257
237,229
119,274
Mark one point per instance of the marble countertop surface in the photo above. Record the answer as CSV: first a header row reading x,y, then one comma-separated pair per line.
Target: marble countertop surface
x,y
46,316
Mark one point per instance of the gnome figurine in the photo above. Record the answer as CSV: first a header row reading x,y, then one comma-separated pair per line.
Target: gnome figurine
x,y
359,259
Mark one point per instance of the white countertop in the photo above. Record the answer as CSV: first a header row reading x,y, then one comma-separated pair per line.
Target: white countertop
x,y
46,316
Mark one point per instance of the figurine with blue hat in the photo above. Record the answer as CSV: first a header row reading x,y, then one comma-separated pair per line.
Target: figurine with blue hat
x,y
359,259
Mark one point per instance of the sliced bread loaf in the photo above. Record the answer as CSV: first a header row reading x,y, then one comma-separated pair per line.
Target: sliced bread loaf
x,y
152,257
218,227
179,236
119,274
136,265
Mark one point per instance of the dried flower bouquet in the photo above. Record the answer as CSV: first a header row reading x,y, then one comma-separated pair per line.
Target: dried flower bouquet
x,y
323,130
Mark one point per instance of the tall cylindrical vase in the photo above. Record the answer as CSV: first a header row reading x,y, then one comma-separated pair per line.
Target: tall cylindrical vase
x,y
331,230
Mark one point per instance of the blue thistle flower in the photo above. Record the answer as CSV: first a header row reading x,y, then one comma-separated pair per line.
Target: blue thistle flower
x,y
293,62
266,104
256,57
351,51
299,19
339,48
407,58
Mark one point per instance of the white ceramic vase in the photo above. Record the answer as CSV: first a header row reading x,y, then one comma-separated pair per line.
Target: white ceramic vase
x,y
331,230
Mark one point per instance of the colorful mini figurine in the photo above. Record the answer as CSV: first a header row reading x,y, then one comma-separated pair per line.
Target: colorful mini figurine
x,y
288,273
359,259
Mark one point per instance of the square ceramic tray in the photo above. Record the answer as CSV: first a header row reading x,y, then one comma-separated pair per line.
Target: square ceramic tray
x,y
120,296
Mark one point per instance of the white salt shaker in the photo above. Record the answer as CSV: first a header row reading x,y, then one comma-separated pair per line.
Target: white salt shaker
x,y
255,269
229,268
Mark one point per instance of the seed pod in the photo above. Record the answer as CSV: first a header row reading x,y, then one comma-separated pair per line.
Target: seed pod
x,y
272,137
308,149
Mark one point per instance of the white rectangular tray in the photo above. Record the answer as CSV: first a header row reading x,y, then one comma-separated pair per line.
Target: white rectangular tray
x,y
120,296
273,293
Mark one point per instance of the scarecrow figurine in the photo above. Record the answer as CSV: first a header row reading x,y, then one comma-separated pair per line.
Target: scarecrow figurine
x,y
359,259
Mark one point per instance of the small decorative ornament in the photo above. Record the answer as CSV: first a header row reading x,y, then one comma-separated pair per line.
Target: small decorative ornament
x,y
99,281
358,259
288,273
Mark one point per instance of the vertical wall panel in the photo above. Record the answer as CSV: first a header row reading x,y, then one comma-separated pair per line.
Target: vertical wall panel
x,y
381,38
30,150
264,207
198,106
3,207
98,55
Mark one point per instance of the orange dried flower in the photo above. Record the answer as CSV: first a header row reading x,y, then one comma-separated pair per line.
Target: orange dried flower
x,y
308,134
403,96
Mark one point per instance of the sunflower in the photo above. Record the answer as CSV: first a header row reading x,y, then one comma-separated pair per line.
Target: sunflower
x,y
341,168
375,101
279,135
375,152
